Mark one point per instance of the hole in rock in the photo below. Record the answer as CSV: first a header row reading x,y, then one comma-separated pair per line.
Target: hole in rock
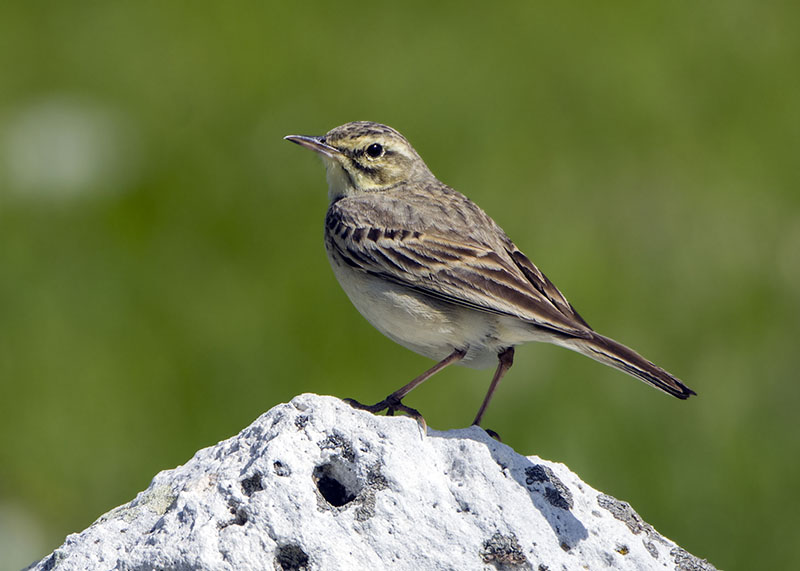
x,y
291,557
252,484
281,469
240,517
504,551
337,482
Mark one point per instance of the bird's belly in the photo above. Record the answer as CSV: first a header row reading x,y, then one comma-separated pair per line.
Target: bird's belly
x,y
423,324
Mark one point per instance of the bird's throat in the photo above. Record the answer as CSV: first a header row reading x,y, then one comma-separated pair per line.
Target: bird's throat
x,y
340,183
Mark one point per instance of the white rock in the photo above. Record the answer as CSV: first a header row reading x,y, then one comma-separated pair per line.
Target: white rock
x,y
315,484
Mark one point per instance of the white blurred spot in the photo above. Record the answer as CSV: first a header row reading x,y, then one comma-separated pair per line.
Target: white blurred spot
x,y
21,537
65,147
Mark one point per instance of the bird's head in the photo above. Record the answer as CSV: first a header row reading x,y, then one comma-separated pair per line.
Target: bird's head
x,y
363,156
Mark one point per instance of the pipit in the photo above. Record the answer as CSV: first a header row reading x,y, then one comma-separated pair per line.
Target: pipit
x,y
430,270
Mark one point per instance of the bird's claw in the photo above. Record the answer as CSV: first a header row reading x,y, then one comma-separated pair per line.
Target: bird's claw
x,y
390,405
493,434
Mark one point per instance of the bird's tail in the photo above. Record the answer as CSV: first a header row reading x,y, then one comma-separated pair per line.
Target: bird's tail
x,y
626,359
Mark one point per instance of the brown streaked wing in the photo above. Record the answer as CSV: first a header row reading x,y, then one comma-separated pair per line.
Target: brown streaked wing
x,y
470,275
544,285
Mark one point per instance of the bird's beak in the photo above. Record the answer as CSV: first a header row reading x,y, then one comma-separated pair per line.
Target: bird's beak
x,y
317,144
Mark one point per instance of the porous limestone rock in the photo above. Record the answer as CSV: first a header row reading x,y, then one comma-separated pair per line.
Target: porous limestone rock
x,y
315,484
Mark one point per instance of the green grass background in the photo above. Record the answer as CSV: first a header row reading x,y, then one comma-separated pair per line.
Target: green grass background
x,y
643,154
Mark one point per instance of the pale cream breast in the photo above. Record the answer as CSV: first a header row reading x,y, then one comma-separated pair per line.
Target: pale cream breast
x,y
423,324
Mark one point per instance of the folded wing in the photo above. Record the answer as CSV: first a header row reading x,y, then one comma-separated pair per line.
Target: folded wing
x,y
498,280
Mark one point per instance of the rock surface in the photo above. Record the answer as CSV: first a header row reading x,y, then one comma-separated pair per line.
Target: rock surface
x,y
315,484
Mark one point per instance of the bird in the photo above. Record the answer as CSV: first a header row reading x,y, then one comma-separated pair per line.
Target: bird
x,y
429,269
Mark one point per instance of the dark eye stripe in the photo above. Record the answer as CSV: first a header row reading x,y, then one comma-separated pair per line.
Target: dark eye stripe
x,y
363,168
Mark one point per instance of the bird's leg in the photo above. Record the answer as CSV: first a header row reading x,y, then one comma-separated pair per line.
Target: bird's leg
x,y
392,403
505,360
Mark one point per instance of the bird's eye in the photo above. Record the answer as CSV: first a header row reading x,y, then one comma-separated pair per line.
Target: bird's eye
x,y
375,150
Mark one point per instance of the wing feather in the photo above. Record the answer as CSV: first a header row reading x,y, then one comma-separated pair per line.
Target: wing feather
x,y
495,280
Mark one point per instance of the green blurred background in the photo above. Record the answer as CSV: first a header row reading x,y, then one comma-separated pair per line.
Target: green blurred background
x,y
163,279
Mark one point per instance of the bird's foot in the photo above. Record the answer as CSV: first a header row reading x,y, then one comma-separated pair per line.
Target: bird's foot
x,y
493,434
490,432
391,405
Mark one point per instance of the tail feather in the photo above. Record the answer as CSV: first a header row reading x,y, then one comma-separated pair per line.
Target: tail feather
x,y
625,359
